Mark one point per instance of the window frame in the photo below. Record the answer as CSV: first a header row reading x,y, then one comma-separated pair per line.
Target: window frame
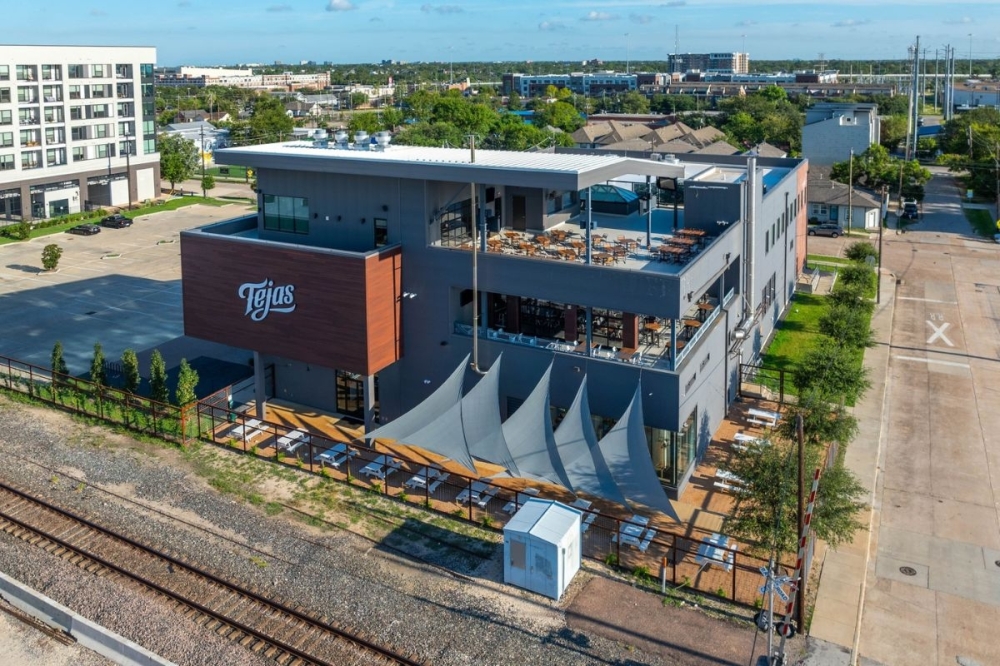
x,y
285,213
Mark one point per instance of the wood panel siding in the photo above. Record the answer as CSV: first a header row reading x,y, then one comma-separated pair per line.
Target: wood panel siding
x,y
346,312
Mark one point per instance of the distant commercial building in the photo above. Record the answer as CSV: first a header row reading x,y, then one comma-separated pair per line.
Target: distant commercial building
x,y
200,77
832,130
736,63
580,83
77,129
977,93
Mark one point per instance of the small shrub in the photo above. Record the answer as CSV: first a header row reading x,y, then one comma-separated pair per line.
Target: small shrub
x,y
721,592
611,560
253,450
758,603
641,573
671,600
326,473
376,487
259,561
51,254
459,513
19,231
487,521
860,251
686,581
403,497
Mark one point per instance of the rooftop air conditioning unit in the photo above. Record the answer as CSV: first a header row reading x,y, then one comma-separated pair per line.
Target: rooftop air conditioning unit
x,y
340,136
361,140
320,139
383,139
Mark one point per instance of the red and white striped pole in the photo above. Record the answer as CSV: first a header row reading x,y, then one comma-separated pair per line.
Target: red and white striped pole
x,y
785,628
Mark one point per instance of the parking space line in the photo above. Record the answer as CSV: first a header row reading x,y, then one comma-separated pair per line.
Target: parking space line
x,y
931,361
926,300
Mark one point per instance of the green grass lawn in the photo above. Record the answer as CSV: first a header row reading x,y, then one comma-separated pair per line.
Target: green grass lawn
x,y
826,259
235,172
797,333
981,221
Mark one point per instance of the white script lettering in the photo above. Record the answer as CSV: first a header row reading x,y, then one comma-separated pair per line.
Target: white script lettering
x,y
264,298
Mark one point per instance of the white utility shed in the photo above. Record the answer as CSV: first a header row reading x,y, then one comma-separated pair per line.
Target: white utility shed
x,y
541,547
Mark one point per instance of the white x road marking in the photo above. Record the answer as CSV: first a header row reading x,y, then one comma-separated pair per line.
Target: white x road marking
x,y
939,333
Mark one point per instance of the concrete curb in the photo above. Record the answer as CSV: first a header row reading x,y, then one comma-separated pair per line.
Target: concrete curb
x,y
88,634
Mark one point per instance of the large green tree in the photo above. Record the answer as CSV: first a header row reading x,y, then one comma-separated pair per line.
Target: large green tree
x,y
158,390
178,158
561,115
875,169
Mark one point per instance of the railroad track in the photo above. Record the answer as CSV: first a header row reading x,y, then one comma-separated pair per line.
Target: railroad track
x,y
291,636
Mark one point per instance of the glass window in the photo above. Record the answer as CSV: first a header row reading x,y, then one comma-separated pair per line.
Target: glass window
x,y
123,71
687,443
54,114
74,92
6,117
126,128
381,231
456,224
29,137
76,71
148,146
79,133
148,127
103,150
6,139
27,73
146,70
79,154
101,131
4,95
99,71
288,214
52,93
51,73
32,160
27,94
4,72
55,135
6,162
76,113
55,156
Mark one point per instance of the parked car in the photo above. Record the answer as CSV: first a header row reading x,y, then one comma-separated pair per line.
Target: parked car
x,y
116,221
910,210
84,230
831,229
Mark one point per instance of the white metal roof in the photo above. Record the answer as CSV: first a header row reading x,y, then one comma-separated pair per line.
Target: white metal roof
x,y
501,167
545,519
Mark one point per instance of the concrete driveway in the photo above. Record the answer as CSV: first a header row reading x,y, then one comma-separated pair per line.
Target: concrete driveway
x,y
120,287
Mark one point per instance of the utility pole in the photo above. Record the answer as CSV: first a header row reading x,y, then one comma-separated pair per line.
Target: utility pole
x,y
128,169
909,110
626,54
881,223
800,436
970,56
850,192
935,79
912,153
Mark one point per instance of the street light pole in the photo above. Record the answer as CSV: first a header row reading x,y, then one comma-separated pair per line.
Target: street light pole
x,y
970,56
128,168
201,148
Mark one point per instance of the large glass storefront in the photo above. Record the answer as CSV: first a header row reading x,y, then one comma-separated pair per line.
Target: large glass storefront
x,y
351,395
672,452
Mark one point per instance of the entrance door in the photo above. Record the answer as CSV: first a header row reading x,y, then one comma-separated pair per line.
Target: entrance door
x,y
519,213
517,566
834,213
350,395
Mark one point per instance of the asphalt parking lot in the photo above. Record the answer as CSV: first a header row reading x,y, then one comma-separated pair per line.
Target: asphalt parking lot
x,y
120,287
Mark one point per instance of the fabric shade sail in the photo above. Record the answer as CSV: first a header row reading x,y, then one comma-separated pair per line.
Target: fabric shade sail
x,y
626,451
529,437
481,427
433,407
576,443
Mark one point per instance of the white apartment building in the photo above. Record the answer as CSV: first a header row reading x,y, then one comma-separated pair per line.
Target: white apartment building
x,y
200,77
77,129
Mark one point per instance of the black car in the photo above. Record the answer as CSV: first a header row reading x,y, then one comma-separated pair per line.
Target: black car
x,y
84,230
910,211
116,221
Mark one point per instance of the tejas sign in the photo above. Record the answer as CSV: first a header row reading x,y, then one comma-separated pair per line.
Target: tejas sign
x,y
263,298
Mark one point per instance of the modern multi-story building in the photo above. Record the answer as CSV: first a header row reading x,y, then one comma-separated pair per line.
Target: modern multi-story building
x,y
77,128
734,63
832,130
353,283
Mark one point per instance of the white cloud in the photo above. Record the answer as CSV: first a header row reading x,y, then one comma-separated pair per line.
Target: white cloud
x,y
745,24
279,8
849,23
674,3
962,21
641,18
551,26
599,16
340,6
441,9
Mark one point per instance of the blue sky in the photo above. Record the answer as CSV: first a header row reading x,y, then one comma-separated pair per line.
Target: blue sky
x,y
221,31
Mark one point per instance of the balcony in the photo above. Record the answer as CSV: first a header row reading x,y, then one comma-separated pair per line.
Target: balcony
x,y
653,351
616,243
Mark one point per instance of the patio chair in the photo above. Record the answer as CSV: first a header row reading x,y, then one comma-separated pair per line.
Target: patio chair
x,y
487,497
437,482
650,533
292,440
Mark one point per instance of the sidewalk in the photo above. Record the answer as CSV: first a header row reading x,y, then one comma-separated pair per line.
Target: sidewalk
x,y
836,618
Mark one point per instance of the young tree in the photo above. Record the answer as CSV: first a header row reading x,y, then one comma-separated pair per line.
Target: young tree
x,y
187,382
50,256
765,512
207,183
178,158
822,421
847,325
58,362
860,251
833,372
97,373
158,378
130,368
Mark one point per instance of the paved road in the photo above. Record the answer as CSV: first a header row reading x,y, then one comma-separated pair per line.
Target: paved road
x,y
933,590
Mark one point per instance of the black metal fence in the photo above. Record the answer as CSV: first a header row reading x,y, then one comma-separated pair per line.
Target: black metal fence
x,y
679,553
112,405
765,383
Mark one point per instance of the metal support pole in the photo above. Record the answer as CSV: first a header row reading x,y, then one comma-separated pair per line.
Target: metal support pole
x,y
649,212
128,168
850,193
590,222
881,224
800,588
201,148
